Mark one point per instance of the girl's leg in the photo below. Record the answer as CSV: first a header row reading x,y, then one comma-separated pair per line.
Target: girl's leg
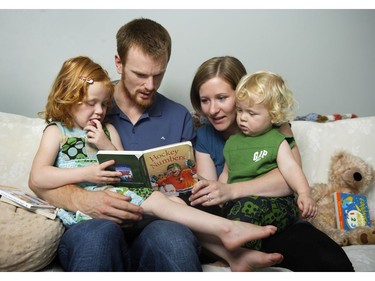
x,y
232,234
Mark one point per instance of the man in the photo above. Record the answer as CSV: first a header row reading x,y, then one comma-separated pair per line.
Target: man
x,y
143,117
119,238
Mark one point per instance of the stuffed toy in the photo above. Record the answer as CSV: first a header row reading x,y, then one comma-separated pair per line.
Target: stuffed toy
x,y
349,174
315,117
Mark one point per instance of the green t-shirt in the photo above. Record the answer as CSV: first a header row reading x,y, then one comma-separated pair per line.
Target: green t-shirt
x,y
249,157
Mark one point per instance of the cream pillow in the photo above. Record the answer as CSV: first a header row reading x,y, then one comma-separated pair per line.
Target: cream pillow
x,y
28,241
19,138
317,142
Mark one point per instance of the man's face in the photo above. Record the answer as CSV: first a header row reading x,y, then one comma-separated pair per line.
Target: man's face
x,y
141,76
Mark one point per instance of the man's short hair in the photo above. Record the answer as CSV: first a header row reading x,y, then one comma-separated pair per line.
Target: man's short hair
x,y
151,37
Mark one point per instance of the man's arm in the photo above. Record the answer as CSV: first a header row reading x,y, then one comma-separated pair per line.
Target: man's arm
x,y
61,197
97,204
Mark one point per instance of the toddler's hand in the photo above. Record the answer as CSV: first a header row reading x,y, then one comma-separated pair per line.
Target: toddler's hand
x,y
307,205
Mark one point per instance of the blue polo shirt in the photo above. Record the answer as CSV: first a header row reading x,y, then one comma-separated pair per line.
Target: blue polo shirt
x,y
211,141
164,122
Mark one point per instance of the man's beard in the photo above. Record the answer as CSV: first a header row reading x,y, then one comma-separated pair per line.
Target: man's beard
x,y
144,103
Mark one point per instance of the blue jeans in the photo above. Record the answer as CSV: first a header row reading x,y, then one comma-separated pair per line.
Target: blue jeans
x,y
100,245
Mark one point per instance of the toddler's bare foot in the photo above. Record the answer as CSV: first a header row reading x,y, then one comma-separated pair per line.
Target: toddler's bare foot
x,y
241,232
247,260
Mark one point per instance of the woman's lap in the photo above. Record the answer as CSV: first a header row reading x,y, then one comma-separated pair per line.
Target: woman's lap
x,y
305,248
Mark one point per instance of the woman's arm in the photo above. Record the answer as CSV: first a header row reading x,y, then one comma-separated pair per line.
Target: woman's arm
x,y
205,166
270,184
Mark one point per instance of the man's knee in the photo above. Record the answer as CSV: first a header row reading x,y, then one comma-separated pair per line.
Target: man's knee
x,y
171,247
93,245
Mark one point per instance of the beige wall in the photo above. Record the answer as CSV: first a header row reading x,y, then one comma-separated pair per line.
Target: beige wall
x,y
327,56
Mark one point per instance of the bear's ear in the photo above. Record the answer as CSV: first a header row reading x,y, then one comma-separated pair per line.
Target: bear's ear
x,y
337,156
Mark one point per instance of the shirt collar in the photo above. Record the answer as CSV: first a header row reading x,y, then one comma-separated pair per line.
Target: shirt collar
x,y
155,110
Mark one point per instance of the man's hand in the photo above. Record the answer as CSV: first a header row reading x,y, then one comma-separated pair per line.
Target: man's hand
x,y
108,205
97,204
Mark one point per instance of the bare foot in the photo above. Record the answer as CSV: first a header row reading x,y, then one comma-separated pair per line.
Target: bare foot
x,y
247,260
241,232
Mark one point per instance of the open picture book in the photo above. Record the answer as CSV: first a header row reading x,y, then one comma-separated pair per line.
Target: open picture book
x,y
169,169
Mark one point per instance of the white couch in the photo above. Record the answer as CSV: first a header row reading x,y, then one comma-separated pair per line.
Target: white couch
x,y
20,136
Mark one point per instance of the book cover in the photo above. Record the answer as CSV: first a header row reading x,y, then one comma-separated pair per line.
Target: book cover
x,y
24,199
170,169
351,210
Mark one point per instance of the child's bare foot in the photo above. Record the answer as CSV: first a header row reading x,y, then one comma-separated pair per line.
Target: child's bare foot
x,y
241,232
248,259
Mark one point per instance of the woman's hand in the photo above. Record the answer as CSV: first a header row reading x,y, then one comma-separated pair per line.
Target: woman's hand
x,y
209,193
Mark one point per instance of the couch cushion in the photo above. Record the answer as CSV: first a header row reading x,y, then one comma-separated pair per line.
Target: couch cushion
x,y
361,256
19,138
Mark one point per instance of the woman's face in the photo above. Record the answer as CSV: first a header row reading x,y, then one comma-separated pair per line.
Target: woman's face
x,y
218,104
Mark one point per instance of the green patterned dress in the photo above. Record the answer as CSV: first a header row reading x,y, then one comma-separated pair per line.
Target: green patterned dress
x,y
76,152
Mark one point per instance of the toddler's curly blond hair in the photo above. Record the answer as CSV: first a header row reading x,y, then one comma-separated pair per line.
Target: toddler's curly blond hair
x,y
271,90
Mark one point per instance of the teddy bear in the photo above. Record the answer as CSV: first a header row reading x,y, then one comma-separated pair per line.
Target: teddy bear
x,y
350,174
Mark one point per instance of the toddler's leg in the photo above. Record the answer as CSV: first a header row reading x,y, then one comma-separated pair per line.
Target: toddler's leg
x,y
243,259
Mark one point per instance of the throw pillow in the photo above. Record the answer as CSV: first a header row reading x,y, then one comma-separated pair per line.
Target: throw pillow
x,y
28,241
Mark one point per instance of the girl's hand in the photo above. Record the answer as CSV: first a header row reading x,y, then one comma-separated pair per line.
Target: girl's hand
x,y
97,173
97,136
209,193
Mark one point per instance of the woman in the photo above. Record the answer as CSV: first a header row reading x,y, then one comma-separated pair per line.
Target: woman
x,y
212,95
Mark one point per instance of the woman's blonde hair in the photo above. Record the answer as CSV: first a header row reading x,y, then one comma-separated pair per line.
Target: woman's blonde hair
x,y
272,91
70,87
